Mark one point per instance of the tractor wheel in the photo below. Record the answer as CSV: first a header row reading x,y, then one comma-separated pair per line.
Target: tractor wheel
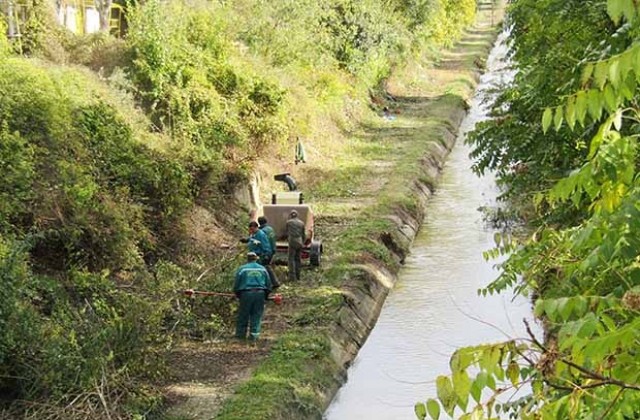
x,y
315,253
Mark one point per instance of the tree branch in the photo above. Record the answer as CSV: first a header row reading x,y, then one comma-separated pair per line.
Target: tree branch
x,y
604,380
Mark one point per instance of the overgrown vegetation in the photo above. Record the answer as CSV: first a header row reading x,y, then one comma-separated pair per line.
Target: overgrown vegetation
x,y
102,170
564,137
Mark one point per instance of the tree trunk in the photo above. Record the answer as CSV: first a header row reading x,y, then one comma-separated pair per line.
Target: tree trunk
x,y
104,9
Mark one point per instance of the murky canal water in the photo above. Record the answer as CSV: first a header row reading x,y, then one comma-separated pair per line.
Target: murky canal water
x,y
434,307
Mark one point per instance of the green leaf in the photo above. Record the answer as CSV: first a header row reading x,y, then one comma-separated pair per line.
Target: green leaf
x,y
628,88
537,387
600,74
550,309
462,386
588,326
481,379
626,63
581,106
565,307
547,116
614,9
446,395
558,118
476,390
491,382
610,98
497,238
581,306
538,309
595,103
421,411
596,141
570,112
628,10
433,408
586,73
513,373
614,72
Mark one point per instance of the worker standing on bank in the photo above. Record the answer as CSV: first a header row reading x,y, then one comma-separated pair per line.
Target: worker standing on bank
x,y
268,230
296,238
266,260
252,287
258,242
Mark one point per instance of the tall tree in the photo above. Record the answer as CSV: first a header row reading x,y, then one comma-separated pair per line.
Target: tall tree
x,y
104,9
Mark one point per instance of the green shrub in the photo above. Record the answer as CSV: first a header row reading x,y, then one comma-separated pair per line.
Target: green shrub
x,y
100,197
5,47
61,337
19,326
98,51
181,74
17,166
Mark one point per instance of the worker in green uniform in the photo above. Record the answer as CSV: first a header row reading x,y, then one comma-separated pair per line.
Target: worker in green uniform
x,y
252,287
258,242
268,230
266,260
296,238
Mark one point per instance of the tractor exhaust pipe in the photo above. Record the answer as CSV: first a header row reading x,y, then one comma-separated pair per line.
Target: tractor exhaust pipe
x,y
287,179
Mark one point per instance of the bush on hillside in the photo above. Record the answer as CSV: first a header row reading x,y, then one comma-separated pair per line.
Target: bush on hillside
x,y
77,174
182,76
74,335
437,22
88,200
5,47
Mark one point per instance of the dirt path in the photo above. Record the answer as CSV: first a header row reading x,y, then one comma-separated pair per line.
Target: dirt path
x,y
204,374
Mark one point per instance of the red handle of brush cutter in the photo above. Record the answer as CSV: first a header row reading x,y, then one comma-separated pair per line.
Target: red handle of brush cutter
x,y
276,298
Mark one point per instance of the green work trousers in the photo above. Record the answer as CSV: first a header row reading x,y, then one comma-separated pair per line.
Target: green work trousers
x,y
295,262
250,314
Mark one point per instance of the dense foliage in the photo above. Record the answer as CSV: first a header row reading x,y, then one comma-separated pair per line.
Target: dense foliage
x,y
566,137
86,204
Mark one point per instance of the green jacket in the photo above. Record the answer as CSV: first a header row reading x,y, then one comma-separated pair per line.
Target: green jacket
x,y
295,232
271,235
259,243
252,276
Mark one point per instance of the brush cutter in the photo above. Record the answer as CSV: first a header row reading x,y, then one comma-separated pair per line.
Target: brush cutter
x,y
276,297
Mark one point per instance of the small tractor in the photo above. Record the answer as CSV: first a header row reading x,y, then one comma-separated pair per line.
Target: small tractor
x,y
277,213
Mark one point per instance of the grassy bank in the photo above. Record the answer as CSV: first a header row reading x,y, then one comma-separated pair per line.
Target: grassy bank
x,y
375,183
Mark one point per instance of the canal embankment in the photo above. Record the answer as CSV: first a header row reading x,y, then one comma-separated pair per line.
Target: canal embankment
x,y
369,206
